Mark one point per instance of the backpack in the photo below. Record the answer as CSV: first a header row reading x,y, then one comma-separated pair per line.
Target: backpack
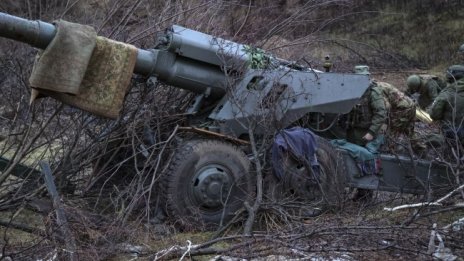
x,y
441,83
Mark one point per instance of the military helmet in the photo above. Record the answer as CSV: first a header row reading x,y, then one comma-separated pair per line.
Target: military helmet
x,y
461,49
455,72
361,69
413,81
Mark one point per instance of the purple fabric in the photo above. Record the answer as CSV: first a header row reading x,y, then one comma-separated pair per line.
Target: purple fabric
x,y
300,142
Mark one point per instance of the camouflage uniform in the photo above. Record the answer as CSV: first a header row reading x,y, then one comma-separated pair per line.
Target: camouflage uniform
x,y
383,107
402,109
448,108
368,116
428,89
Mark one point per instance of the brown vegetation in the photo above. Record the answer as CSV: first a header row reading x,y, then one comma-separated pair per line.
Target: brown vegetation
x,y
107,172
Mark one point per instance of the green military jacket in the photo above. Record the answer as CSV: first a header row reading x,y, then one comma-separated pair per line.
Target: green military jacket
x,y
428,90
370,114
379,109
396,99
401,108
450,102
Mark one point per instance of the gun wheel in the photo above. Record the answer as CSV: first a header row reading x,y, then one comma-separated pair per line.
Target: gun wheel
x,y
206,183
323,188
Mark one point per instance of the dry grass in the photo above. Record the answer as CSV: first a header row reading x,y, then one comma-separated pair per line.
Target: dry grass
x,y
119,209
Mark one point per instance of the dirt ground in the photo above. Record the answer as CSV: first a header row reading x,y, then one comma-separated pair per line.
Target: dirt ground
x,y
397,78
360,230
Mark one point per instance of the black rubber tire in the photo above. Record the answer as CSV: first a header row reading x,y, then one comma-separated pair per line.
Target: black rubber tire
x,y
182,183
327,190
333,172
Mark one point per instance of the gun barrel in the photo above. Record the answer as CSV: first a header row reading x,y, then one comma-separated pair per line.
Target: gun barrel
x,y
36,33
39,34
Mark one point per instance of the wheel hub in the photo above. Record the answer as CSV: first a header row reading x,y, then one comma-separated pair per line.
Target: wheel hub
x,y
298,181
211,186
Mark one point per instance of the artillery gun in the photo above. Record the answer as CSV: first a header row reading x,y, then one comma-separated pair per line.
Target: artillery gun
x,y
210,176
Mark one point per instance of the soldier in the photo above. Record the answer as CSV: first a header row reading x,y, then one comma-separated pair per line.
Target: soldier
x,y
448,107
383,107
402,110
368,118
428,87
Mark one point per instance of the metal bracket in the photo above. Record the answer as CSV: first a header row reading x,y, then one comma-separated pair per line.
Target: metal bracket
x,y
198,102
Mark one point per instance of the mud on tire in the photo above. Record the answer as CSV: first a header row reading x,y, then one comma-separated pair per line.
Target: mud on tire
x,y
327,190
333,172
206,183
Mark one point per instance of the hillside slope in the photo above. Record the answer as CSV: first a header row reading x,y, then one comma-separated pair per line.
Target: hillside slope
x,y
385,34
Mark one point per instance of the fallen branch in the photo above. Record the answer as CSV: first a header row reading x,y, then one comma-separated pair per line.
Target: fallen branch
x,y
456,225
451,193
427,204
191,250
423,204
